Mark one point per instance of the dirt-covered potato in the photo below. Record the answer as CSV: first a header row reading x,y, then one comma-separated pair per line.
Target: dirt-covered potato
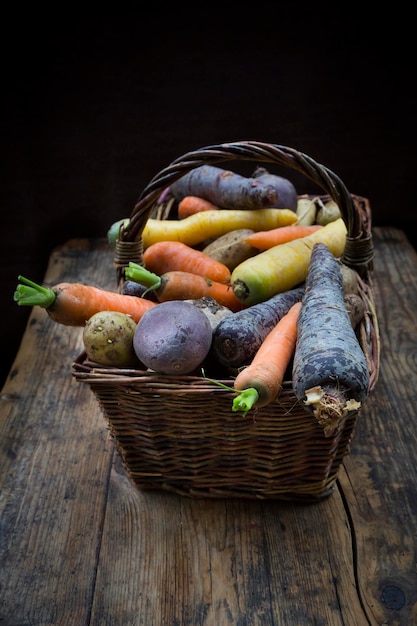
x,y
108,339
349,278
355,307
173,338
231,248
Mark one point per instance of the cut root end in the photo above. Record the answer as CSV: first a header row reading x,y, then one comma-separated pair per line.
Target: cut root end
x,y
330,407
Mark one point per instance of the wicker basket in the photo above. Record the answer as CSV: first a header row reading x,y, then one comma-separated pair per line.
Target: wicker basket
x,y
179,433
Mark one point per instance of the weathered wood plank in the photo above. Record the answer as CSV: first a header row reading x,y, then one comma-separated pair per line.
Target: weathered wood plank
x,y
220,562
380,478
81,545
55,462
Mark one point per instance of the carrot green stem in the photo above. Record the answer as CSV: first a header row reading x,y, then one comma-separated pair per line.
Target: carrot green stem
x,y
32,294
139,274
245,400
216,382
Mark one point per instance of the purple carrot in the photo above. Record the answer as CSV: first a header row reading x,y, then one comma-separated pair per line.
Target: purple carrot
x,y
225,189
238,337
330,374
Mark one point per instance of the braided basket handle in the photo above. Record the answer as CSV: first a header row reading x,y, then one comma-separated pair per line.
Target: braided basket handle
x,y
359,247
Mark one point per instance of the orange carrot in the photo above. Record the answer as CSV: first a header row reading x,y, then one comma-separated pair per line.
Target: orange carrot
x,y
194,204
265,239
178,285
260,382
165,256
72,304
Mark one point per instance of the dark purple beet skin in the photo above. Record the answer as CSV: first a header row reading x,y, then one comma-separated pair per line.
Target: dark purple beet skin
x,y
174,339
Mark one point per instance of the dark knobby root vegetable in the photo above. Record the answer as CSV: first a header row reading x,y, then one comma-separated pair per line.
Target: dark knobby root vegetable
x,y
285,266
225,189
231,249
238,337
72,304
108,339
174,338
330,374
287,197
214,311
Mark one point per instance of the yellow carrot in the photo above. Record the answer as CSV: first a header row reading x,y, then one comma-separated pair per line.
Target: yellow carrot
x,y
205,225
284,266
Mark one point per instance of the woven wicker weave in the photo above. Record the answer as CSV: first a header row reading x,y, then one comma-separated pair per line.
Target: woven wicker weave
x,y
179,433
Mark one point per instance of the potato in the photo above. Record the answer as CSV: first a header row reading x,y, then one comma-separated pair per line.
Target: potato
x,y
173,337
355,307
349,278
231,248
108,339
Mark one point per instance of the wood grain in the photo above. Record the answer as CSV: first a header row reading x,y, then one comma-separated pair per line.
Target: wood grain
x,y
79,544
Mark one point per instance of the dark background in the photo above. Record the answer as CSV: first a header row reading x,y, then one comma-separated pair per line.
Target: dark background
x,y
92,109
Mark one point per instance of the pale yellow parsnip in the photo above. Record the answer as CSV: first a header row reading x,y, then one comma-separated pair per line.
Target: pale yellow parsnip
x,y
196,228
284,266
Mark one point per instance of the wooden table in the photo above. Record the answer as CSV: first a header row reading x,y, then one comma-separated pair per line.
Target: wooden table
x,y
80,545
